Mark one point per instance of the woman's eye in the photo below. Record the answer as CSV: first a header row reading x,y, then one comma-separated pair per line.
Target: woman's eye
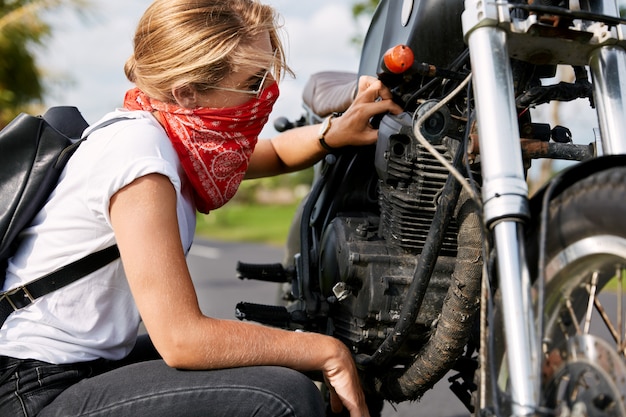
x,y
257,84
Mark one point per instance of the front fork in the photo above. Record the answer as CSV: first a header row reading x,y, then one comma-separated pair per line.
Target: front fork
x,y
505,205
505,193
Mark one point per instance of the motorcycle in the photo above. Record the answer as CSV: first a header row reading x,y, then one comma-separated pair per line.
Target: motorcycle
x,y
426,253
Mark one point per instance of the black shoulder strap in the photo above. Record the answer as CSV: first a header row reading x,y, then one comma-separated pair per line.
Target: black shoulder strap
x,y
22,296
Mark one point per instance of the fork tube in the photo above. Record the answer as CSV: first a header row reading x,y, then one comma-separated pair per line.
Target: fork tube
x,y
505,197
521,343
608,68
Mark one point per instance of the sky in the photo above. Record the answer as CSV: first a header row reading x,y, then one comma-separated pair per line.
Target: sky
x,y
86,55
84,59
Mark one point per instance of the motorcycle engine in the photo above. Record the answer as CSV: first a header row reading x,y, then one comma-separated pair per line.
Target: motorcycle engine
x,y
367,260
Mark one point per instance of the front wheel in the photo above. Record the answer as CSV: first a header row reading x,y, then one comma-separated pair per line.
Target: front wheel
x,y
583,371
584,341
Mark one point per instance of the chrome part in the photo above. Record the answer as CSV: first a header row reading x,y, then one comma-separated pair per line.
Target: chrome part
x,y
520,337
533,41
601,245
504,185
341,291
479,13
407,10
504,195
608,68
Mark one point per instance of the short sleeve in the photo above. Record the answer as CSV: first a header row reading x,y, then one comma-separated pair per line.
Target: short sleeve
x,y
126,150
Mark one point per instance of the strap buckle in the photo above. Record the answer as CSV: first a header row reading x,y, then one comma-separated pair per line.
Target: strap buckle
x,y
17,298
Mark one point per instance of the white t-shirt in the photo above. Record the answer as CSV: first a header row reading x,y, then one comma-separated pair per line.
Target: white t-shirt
x,y
94,317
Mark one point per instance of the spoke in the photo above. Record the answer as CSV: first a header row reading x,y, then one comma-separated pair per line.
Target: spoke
x,y
572,313
591,288
620,338
609,325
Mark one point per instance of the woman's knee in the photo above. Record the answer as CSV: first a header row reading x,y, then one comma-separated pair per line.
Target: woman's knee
x,y
276,391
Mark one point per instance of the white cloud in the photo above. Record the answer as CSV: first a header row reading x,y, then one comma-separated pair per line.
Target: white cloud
x,y
322,41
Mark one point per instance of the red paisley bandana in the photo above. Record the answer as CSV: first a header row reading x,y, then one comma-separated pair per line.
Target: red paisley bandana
x,y
214,144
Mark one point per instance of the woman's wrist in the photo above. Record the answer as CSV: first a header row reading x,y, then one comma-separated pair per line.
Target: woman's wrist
x,y
326,134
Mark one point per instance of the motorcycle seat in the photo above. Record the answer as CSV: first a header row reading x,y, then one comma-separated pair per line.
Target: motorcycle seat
x,y
330,91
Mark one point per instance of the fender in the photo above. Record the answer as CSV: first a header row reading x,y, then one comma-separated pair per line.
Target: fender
x,y
569,176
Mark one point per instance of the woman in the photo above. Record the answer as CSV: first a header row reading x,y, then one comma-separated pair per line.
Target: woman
x,y
206,76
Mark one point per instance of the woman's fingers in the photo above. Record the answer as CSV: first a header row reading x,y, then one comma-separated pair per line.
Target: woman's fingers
x,y
372,90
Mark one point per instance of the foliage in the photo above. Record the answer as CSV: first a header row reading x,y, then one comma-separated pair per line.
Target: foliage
x,y
250,188
21,28
260,223
365,7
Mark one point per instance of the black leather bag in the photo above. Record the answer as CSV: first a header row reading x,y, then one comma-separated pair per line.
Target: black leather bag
x,y
33,152
32,155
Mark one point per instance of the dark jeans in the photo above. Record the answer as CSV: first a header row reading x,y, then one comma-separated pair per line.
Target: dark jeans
x,y
153,389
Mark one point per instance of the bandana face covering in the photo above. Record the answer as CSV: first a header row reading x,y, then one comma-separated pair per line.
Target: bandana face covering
x,y
214,144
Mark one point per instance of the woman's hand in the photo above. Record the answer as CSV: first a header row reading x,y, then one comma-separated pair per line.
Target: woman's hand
x,y
300,148
353,127
343,383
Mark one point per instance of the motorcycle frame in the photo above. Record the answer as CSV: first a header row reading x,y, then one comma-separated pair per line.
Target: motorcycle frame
x,y
493,37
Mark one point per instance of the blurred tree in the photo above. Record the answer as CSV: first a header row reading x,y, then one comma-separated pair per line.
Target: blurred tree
x,y
362,8
365,7
21,28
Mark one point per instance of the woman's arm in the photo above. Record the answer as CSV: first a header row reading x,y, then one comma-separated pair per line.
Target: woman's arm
x,y
143,215
299,148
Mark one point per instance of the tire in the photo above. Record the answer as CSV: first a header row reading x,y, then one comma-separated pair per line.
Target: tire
x,y
583,363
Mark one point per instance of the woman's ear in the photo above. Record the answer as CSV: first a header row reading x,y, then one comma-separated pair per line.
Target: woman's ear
x,y
185,96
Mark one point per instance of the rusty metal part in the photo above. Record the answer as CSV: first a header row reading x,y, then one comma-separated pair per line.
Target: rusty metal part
x,y
538,149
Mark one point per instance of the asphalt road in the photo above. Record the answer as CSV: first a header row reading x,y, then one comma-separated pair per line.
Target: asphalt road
x,y
213,268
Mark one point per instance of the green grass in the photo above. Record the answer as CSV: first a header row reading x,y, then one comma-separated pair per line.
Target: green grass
x,y
612,284
247,222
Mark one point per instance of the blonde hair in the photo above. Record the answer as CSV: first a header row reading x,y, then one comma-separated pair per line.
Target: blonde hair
x,y
199,42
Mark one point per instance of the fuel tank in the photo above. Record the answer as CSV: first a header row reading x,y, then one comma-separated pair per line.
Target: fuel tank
x,y
432,28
